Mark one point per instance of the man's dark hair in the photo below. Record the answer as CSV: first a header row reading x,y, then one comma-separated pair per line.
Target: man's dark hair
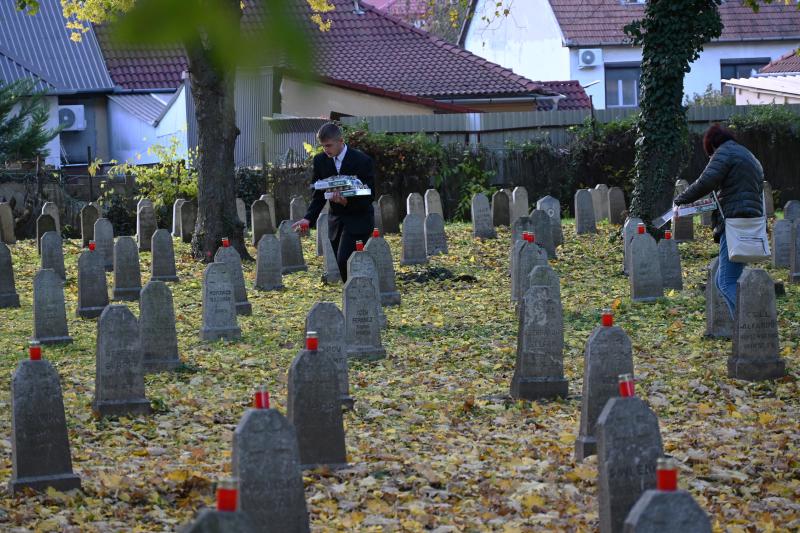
x,y
329,132
715,136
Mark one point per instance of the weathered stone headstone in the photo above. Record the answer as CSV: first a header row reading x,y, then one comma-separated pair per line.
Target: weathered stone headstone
x,y
646,281
381,254
291,249
219,305
362,264
127,274
328,322
682,227
628,448
241,212
145,224
119,370
378,217
528,256
670,263
543,232
104,242
415,204
482,227
782,243
157,323
271,204
269,267
50,208
40,453
435,236
52,253
266,462
584,213
361,308
603,204
89,215
315,410
413,251
552,207
659,511
330,266
49,312
616,205
629,231
501,209
231,257
545,276
7,234
92,286
322,232
433,202
213,521
539,370
188,220
176,217
518,228
297,208
390,217
608,354
260,220
519,203
8,290
794,254
769,200
719,323
163,263
44,224
597,204
791,211
756,349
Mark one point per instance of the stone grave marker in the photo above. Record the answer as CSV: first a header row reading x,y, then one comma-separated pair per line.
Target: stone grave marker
x,y
328,322
660,511
584,213
794,254
381,254
435,235
362,264
519,203
260,220
597,203
415,204
629,231
241,212
682,227
214,521
719,323
269,267
608,354
528,256
756,350
7,234
543,232
188,220
8,290
52,253
50,208
433,202
501,209
552,207
89,215
145,225
49,312
127,274
482,227
163,263
219,305
104,242
315,410
539,370
390,217
271,204
646,281
670,263
361,308
265,459
297,208
628,448
229,256
518,228
92,286
413,251
44,224
769,199
176,217
322,232
330,266
545,276
616,206
157,324
603,202
791,211
291,249
40,452
119,370
378,217
781,243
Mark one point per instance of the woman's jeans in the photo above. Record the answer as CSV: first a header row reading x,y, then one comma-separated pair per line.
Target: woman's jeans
x,y
727,275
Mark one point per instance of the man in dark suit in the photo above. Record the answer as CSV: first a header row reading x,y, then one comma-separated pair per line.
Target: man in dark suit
x,y
350,219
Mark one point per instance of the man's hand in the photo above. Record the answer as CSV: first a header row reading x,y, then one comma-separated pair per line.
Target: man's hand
x,y
337,198
302,226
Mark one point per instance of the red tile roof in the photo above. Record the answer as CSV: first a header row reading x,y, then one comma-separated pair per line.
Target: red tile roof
x,y
787,63
404,9
599,22
576,97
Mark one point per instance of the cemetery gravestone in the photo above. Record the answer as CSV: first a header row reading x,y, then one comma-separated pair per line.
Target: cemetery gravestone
x,y
157,323
362,319
49,312
390,218
92,286
219,305
229,256
44,224
328,322
584,213
49,208
361,264
597,204
769,200
528,256
8,290
127,274
415,205
543,232
163,263
756,349
616,206
659,511
682,227
646,281
89,215
291,249
119,373
381,254
519,203
241,212
518,228
501,209
719,323
271,204
413,251
7,234
378,216
269,267
603,203
322,232
213,521
297,208
104,242
781,243
52,253
145,225
670,263
545,276
794,254
40,452
176,217
330,272
482,227
433,203
261,220
435,236
188,220
628,233
791,211
552,207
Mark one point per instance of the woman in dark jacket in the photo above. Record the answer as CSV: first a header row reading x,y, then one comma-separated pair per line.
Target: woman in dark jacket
x,y
737,177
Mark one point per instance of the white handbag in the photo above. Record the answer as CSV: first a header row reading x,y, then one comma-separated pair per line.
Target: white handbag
x,y
746,237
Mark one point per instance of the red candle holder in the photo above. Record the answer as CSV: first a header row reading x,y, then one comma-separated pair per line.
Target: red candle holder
x,y
532,237
226,242
261,397
35,351
607,318
627,388
666,474
640,229
359,246
376,232
227,494
668,234
92,246
312,341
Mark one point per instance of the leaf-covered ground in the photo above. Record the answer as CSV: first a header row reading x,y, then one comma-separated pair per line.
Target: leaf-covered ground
x,y
432,442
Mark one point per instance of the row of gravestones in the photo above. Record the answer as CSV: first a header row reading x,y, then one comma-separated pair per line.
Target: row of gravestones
x,y
786,241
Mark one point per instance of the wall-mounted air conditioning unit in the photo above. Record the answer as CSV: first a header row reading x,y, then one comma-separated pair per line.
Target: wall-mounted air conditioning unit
x,y
71,117
590,57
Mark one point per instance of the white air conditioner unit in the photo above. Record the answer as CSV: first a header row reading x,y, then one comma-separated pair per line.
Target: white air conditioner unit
x,y
71,118
590,57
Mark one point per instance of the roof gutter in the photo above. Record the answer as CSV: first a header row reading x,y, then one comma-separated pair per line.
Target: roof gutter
x,y
120,90
570,43
555,98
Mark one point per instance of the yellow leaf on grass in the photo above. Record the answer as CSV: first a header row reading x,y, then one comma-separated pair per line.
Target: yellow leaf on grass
x,y
178,476
583,473
615,304
532,500
704,409
566,438
766,418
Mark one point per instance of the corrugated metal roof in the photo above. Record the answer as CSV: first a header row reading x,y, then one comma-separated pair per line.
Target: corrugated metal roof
x,y
12,70
788,85
143,106
43,42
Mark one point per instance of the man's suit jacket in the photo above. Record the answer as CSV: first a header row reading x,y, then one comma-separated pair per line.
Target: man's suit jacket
x,y
357,217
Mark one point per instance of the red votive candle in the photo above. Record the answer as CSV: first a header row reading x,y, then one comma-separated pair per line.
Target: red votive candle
x,y
92,246
261,397
312,341
225,242
359,246
626,386
668,234
666,474
35,351
227,492
607,318
640,229
376,232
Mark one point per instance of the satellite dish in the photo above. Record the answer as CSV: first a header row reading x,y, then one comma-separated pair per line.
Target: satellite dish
x,y
66,118
588,57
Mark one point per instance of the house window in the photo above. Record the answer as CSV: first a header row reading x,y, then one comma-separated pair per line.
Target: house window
x,y
741,68
622,85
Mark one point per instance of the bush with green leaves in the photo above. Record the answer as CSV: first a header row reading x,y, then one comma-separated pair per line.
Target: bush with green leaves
x,y
23,122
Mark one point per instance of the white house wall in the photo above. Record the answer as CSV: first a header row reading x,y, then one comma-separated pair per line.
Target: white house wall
x,y
130,137
54,146
173,125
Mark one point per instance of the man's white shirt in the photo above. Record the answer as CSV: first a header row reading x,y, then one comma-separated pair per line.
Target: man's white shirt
x,y
337,161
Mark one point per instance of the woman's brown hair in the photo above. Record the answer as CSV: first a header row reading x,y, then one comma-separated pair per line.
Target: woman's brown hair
x,y
715,136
